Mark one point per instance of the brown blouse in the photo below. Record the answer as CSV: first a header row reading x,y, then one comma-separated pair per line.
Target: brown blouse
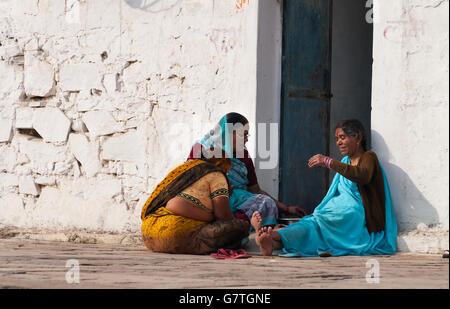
x,y
369,178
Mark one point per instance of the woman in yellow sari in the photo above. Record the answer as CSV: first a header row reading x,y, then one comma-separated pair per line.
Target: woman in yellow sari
x,y
189,213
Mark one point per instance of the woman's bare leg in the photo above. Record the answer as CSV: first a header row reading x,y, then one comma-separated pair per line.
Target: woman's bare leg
x,y
276,236
277,244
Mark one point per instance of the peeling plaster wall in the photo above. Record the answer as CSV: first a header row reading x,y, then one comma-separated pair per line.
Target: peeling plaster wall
x,y
99,99
410,108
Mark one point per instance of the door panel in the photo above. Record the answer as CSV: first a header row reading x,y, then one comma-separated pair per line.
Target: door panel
x,y
305,107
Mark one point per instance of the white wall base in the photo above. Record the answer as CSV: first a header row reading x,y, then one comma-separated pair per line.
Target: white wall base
x,y
417,241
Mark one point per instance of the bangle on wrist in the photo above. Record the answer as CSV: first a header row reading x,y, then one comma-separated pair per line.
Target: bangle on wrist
x,y
330,160
327,162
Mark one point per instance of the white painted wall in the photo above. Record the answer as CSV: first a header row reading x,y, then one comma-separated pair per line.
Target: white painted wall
x,y
112,126
410,115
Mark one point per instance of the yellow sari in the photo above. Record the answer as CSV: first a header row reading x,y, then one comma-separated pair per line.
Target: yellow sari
x,y
165,231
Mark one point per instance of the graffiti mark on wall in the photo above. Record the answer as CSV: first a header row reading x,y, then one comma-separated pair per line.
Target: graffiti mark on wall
x,y
72,11
240,3
153,6
398,29
225,40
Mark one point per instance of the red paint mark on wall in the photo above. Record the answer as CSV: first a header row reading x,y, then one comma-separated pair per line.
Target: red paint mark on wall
x,y
240,3
399,29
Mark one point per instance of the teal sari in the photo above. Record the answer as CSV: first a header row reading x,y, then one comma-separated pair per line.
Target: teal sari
x,y
338,225
243,200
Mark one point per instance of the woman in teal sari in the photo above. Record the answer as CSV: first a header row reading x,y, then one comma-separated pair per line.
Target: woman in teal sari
x,y
356,217
230,135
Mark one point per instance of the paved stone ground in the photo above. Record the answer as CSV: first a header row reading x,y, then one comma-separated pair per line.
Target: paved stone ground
x,y
42,264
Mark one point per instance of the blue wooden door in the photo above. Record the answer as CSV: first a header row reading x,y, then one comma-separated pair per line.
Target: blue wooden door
x,y
305,104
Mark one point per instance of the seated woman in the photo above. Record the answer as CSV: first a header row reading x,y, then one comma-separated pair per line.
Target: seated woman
x,y
356,217
189,213
231,135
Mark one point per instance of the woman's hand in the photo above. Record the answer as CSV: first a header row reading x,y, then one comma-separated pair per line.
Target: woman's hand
x,y
316,160
221,208
296,210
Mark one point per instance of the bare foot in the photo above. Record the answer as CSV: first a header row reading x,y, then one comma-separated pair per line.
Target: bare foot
x,y
256,221
264,240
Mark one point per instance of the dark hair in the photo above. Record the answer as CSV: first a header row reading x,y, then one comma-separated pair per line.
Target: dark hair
x,y
234,118
352,128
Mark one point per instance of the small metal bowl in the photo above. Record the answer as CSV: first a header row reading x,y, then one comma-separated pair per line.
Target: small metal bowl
x,y
288,220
